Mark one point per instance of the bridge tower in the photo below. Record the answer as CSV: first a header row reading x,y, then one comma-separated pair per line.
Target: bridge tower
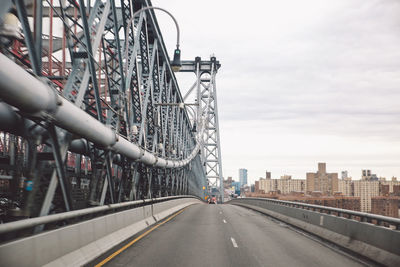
x,y
205,92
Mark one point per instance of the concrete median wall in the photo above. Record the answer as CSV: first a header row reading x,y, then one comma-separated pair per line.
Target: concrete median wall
x,y
377,243
80,243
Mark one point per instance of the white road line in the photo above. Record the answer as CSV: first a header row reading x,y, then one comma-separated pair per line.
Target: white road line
x,y
234,242
224,220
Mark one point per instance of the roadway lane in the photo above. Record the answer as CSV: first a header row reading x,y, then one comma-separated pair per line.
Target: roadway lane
x,y
227,235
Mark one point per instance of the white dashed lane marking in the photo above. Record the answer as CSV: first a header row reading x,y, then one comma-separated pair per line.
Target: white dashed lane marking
x,y
234,242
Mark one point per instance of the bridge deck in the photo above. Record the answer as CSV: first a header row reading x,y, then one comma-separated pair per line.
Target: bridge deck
x,y
226,235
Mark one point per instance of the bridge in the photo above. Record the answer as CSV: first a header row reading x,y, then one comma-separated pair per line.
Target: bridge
x,y
104,160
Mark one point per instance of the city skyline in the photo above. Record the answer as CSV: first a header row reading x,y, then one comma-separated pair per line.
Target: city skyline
x,y
251,179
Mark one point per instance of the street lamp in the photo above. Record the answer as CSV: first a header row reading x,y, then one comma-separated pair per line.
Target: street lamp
x,y
176,62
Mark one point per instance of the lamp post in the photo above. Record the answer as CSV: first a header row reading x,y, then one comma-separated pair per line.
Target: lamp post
x,y
176,62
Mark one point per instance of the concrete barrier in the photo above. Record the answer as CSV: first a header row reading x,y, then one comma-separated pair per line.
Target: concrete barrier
x,y
78,244
377,243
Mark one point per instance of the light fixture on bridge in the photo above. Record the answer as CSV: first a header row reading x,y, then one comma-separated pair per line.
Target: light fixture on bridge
x,y
176,63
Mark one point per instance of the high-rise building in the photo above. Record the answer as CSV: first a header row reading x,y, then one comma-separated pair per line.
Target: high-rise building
x,y
287,186
344,175
267,185
366,190
284,186
391,184
268,175
346,187
242,177
327,183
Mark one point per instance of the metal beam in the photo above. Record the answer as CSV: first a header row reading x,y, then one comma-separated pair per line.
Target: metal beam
x,y
23,91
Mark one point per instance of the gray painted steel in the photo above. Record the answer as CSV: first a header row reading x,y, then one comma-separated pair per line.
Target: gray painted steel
x,y
30,95
80,243
205,94
109,128
378,243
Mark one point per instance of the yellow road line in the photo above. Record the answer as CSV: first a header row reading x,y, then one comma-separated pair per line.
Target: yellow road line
x,y
136,239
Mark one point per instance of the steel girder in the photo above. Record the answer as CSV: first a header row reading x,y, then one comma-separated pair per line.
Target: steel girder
x,y
99,132
205,92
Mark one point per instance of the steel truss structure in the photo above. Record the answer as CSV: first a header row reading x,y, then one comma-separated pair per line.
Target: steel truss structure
x,y
82,125
206,100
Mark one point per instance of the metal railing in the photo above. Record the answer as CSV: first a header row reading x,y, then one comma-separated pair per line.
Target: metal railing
x,y
348,214
33,222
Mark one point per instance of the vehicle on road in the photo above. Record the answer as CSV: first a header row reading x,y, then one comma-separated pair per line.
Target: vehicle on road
x,y
212,200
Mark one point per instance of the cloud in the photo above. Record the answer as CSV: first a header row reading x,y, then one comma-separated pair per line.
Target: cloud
x,y
313,71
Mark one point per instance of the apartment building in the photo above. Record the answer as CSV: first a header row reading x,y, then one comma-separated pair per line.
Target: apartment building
x,y
327,183
366,190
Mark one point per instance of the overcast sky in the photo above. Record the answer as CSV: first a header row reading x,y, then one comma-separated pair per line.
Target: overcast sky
x,y
301,82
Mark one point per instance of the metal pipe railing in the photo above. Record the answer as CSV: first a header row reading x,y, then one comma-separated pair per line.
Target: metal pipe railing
x,y
33,97
32,222
365,217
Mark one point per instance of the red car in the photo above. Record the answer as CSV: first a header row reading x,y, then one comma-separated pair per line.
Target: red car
x,y
212,200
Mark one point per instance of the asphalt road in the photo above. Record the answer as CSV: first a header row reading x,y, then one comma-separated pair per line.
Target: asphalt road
x,y
227,235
